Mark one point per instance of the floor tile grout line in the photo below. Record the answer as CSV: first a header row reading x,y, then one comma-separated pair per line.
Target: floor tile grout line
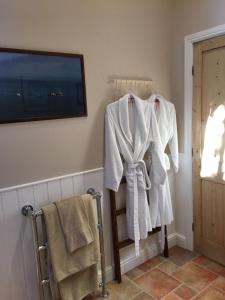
x,y
164,259
162,272
217,274
138,286
157,267
148,293
195,290
191,262
130,280
172,291
210,261
206,268
141,292
183,283
219,289
168,274
214,272
205,288
134,296
153,268
135,284
180,282
144,272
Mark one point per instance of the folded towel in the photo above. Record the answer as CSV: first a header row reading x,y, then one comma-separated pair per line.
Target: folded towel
x,y
75,273
74,222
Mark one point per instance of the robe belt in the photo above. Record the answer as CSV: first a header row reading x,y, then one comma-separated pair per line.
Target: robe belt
x,y
147,185
141,164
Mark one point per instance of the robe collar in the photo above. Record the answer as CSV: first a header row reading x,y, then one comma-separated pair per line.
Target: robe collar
x,y
141,130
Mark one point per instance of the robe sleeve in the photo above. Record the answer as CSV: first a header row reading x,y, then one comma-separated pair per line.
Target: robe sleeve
x,y
113,163
173,141
158,168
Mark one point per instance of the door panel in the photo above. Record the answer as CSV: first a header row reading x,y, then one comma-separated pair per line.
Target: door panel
x,y
209,148
212,212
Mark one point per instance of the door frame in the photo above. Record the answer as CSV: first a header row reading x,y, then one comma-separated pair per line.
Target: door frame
x,y
186,156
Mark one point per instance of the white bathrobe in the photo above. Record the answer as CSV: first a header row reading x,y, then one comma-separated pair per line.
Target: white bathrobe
x,y
130,129
159,195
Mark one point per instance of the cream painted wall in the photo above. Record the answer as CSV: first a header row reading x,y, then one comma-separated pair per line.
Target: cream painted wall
x,y
129,38
189,16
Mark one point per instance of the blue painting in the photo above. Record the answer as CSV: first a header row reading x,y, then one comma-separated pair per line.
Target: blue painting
x,y
40,85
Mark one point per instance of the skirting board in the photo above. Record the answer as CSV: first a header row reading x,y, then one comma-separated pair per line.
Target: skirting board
x,y
181,241
176,239
145,254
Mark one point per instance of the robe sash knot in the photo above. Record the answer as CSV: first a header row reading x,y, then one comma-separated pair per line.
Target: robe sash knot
x,y
136,168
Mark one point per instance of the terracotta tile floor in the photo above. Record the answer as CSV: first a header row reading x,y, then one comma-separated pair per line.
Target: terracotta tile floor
x,y
185,275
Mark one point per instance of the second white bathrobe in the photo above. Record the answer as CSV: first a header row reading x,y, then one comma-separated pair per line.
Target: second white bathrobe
x,y
159,195
130,129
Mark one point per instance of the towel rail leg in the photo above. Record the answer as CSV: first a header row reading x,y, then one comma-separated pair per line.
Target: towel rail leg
x,y
37,256
97,196
28,210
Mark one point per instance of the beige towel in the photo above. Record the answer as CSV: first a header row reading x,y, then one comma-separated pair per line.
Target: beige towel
x,y
77,286
74,273
74,222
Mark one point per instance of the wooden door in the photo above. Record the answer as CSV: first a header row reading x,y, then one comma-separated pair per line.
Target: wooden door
x,y
208,148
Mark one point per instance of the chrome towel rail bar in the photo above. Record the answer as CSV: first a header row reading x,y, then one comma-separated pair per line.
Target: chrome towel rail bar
x,y
28,211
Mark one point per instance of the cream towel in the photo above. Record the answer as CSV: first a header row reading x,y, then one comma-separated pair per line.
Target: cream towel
x,y
77,286
74,222
74,273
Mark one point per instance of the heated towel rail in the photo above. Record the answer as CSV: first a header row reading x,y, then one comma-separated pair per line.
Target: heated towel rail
x,y
28,210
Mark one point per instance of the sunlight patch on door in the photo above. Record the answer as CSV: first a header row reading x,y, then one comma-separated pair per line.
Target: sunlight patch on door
x,y
213,154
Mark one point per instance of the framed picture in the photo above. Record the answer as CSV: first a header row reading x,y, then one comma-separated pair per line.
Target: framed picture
x,y
38,85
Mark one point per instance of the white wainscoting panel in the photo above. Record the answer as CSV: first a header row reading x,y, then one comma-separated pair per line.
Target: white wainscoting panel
x,y
18,279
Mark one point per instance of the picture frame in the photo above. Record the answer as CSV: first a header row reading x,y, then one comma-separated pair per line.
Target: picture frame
x,y
41,85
